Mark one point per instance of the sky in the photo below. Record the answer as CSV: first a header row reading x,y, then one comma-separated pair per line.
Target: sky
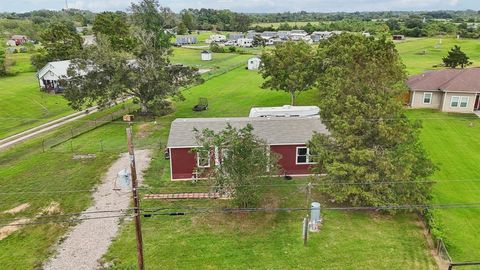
x,y
250,5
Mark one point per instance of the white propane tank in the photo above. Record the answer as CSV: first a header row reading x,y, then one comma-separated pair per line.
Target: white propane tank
x,y
315,217
123,178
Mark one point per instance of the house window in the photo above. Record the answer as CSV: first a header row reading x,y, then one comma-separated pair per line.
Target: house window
x,y
303,156
427,98
454,101
203,159
461,102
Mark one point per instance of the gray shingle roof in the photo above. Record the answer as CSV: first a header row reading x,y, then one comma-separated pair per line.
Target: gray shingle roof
x,y
295,130
447,80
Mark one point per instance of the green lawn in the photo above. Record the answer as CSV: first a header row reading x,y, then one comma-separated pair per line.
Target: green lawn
x,y
261,241
191,57
412,52
25,106
453,142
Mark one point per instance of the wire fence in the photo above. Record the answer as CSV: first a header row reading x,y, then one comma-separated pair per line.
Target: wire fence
x,y
86,126
442,251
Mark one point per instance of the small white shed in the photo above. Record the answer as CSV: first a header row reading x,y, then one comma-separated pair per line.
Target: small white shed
x,y
206,55
254,63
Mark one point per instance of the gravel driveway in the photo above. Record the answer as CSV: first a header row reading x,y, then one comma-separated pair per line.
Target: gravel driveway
x,y
88,241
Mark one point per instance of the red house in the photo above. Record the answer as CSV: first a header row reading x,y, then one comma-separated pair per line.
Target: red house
x,y
285,136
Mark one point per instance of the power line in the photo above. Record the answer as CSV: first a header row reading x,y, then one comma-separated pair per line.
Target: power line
x,y
152,189
72,214
60,221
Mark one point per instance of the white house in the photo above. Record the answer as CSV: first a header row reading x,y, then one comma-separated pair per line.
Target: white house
x,y
50,75
206,55
285,111
218,38
11,43
254,63
245,42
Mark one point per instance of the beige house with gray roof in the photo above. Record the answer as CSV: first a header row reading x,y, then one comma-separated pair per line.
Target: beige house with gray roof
x,y
449,90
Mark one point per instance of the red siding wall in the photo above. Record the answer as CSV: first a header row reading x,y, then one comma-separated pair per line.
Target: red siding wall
x,y
287,160
183,162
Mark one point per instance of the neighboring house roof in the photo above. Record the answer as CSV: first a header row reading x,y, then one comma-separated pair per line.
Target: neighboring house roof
x,y
19,37
89,40
54,70
447,80
206,52
297,130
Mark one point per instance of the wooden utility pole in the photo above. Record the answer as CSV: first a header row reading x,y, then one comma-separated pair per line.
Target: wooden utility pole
x,y
136,201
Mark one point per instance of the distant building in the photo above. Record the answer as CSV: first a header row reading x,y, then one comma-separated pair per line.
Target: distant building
x,y
50,75
19,39
398,37
297,34
448,90
185,39
283,35
218,38
206,56
251,34
235,36
245,42
11,43
268,34
254,63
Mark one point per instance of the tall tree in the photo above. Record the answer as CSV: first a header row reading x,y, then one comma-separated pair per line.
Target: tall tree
x,y
289,68
372,155
61,42
114,26
456,57
243,160
240,22
188,19
102,75
153,18
3,70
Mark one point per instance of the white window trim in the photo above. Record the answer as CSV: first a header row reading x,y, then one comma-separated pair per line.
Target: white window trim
x,y
460,102
431,97
308,156
198,161
451,101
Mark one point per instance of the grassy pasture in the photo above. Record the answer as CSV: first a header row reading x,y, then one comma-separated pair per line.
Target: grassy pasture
x,y
24,106
413,56
453,143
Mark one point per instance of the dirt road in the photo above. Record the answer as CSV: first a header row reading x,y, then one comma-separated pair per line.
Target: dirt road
x,y
88,241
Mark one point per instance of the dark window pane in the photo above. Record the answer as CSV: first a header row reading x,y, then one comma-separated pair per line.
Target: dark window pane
x,y
302,151
302,159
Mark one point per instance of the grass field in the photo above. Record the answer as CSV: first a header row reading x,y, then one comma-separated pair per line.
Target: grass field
x,y
25,106
412,52
453,143
262,241
191,57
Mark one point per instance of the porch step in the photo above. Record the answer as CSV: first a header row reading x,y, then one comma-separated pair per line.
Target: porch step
x,y
183,196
